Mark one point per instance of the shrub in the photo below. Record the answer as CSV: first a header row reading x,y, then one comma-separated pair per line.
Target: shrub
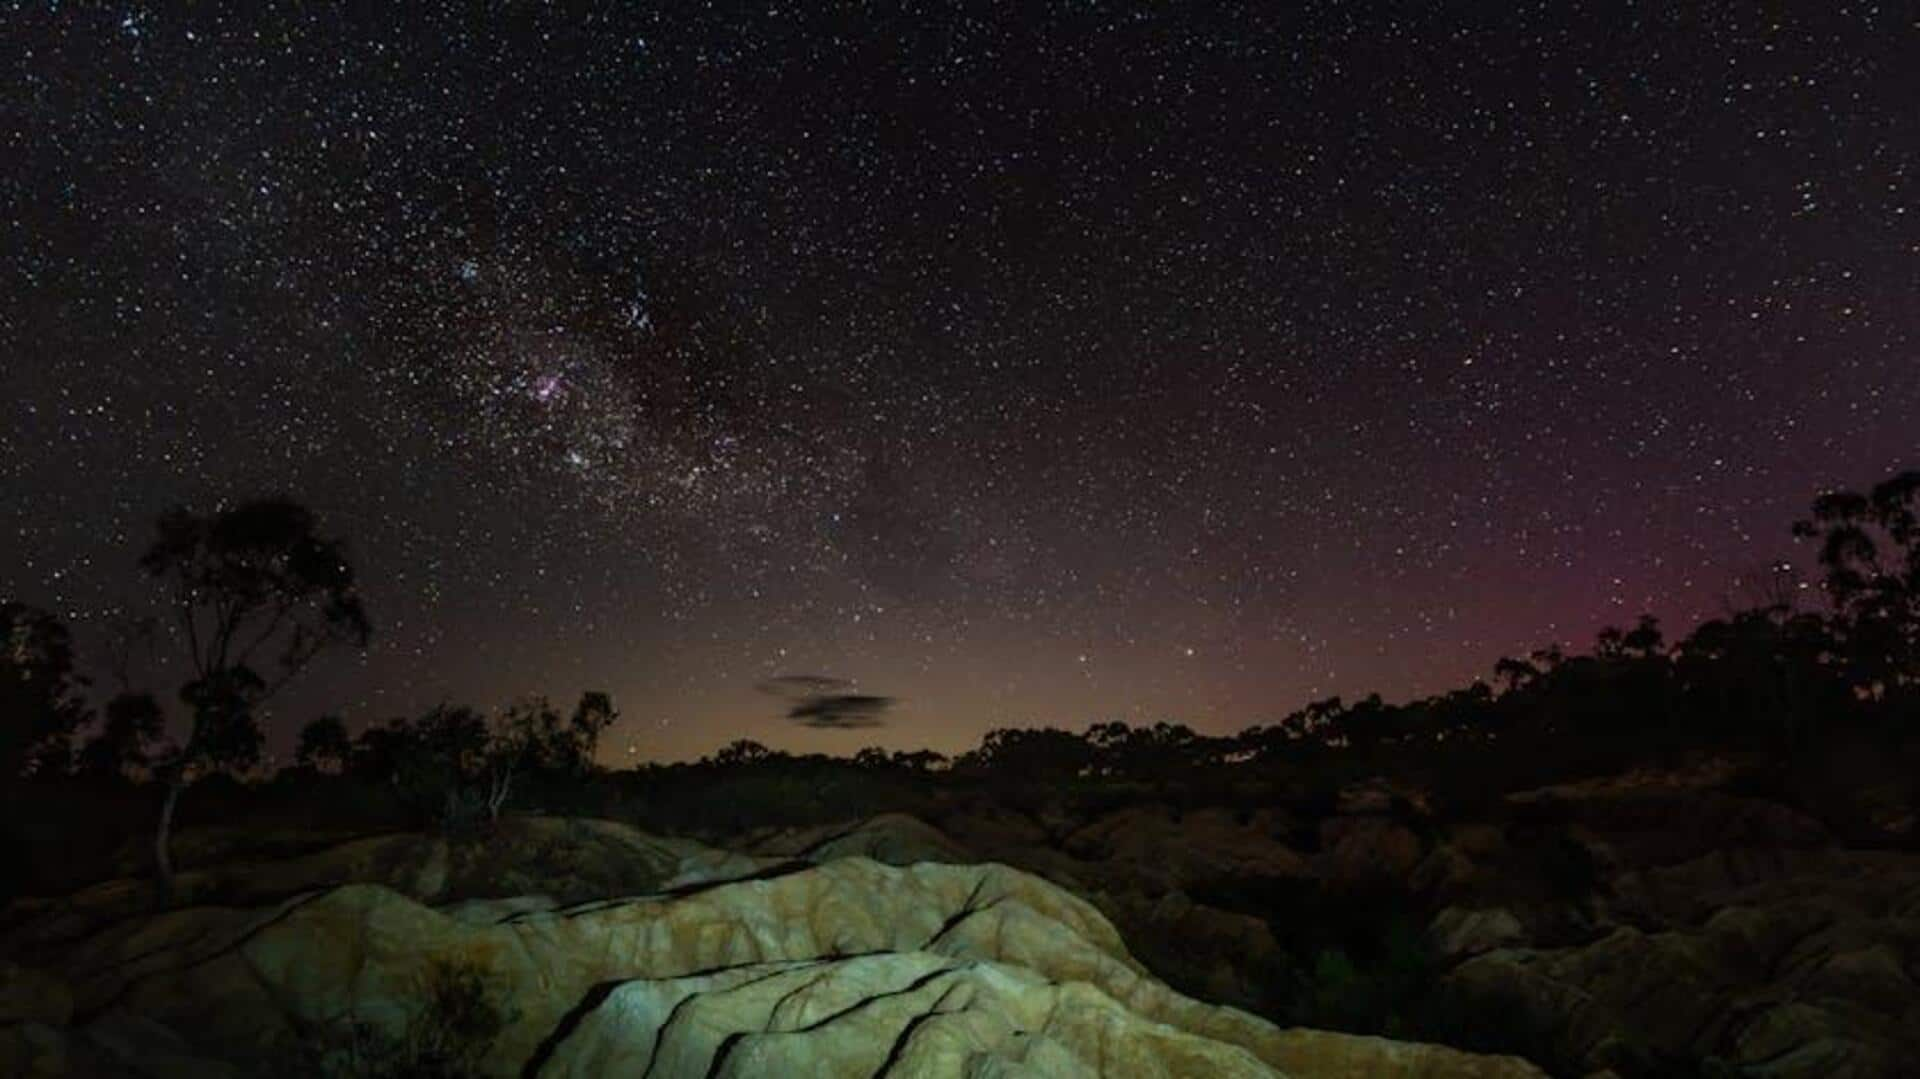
x,y
448,1038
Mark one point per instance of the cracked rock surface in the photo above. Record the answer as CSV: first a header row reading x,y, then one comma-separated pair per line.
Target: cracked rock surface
x,y
846,967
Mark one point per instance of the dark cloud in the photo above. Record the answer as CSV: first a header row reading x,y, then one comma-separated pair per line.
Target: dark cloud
x,y
825,703
840,711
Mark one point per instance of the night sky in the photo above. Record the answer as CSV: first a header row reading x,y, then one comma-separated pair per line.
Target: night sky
x,y
1089,364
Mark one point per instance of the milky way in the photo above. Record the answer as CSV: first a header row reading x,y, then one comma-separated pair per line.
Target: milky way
x,y
1091,363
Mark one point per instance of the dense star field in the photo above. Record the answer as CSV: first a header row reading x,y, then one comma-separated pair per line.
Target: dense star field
x,y
1089,364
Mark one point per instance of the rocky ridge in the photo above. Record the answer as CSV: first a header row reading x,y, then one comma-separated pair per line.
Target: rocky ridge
x,y
1636,924
840,967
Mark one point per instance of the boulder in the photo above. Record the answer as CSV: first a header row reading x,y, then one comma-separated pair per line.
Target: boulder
x,y
1380,796
110,1049
1445,871
850,967
1713,773
1220,955
893,838
989,827
1655,823
566,859
901,1013
1153,851
1458,932
1367,851
31,996
1799,966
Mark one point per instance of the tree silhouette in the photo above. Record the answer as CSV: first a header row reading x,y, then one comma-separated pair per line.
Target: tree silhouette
x,y
1518,674
1143,752
255,594
133,725
592,715
40,706
426,761
444,751
919,760
1870,550
1767,667
1644,640
531,737
324,745
741,751
1046,752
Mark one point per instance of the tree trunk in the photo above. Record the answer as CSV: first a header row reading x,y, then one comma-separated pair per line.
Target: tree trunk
x,y
162,849
501,786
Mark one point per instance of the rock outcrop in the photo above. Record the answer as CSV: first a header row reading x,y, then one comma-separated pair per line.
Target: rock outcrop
x,y
849,967
893,838
563,859
1458,932
1642,923
1771,963
1655,922
1157,851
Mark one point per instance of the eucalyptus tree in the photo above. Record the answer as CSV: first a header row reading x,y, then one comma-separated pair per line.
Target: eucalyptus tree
x,y
254,595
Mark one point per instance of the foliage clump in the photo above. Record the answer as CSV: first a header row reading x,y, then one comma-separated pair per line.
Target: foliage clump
x,y
447,1036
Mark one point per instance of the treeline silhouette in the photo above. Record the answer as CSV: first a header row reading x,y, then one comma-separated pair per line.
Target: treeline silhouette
x,y
255,594
1778,670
